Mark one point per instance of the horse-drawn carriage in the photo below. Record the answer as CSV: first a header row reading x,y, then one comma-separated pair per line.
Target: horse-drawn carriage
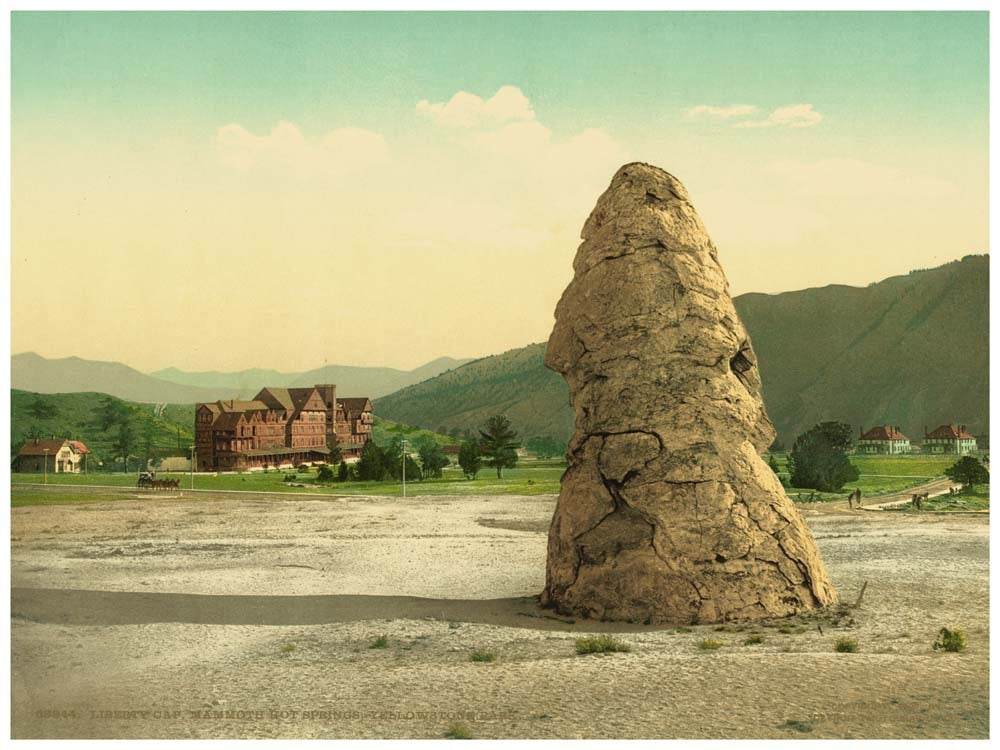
x,y
148,480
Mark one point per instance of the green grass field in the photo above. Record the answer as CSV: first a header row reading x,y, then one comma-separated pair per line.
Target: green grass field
x,y
879,475
536,478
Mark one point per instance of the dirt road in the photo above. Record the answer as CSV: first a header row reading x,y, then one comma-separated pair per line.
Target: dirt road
x,y
936,487
249,617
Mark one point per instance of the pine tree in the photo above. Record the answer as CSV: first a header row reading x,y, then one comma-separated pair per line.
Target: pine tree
x,y
498,444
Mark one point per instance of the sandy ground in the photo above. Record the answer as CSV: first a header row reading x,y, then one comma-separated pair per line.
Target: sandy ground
x,y
230,617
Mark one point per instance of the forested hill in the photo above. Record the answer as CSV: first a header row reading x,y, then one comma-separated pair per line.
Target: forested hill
x,y
910,351
152,430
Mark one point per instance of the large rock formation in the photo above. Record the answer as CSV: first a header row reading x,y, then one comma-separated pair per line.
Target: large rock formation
x,y
667,512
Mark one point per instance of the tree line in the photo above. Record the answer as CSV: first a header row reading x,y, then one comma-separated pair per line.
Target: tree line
x,y
495,447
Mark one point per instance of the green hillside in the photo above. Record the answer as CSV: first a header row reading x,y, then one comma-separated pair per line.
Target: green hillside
x,y
515,383
910,351
76,416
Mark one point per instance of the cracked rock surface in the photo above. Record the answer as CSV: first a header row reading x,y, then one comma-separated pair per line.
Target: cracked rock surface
x,y
667,511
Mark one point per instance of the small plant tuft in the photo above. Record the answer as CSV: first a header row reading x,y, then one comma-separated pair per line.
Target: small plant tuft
x,y
754,640
457,732
846,646
381,642
798,725
601,644
483,656
288,648
950,639
710,645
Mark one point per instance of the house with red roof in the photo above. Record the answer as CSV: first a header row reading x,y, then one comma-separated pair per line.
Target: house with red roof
x,y
57,455
883,440
949,438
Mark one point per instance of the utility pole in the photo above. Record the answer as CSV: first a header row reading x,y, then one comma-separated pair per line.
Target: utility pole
x,y
404,467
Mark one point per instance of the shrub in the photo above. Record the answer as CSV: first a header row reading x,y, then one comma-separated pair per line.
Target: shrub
x,y
754,640
381,642
710,645
968,471
950,639
818,460
601,644
484,656
288,648
290,478
457,732
846,645
325,474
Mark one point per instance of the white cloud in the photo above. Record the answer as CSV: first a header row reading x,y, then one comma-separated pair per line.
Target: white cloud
x,y
855,177
792,116
286,148
465,110
707,110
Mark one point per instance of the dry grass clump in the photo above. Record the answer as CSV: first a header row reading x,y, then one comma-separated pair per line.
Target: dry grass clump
x,y
601,644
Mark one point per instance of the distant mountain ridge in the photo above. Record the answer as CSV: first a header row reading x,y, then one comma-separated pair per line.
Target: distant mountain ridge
x,y
909,350
32,372
350,380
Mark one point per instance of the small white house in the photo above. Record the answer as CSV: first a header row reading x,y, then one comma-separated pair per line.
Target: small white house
x,y
949,438
883,440
57,456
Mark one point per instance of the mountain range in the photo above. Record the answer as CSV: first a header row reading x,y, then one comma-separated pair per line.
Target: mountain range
x,y
911,351
31,372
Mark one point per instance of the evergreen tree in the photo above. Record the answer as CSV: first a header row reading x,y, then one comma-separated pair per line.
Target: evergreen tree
x,y
498,443
343,473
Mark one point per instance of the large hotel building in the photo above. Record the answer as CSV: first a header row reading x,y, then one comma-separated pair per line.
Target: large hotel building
x,y
280,427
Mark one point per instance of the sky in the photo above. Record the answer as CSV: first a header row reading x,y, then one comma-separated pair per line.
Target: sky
x,y
220,191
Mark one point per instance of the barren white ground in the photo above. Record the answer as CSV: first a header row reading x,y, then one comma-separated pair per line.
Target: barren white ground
x,y
122,665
